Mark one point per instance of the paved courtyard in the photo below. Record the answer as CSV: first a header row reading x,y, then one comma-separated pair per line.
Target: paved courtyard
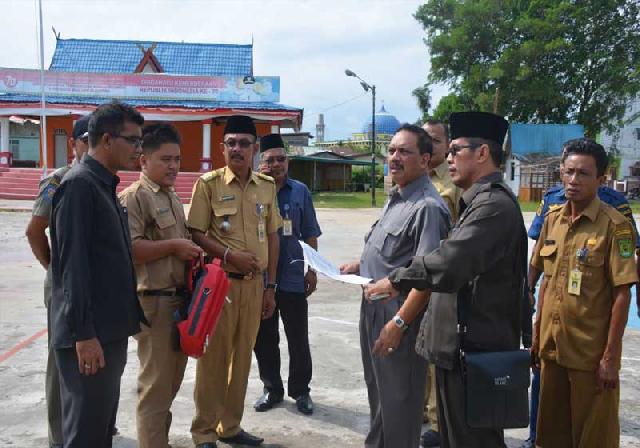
x,y
341,416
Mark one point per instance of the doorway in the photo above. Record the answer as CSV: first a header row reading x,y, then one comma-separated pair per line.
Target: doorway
x,y
60,146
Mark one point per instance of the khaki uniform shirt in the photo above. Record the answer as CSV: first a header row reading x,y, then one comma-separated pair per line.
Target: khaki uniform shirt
x,y
156,214
574,328
219,197
441,179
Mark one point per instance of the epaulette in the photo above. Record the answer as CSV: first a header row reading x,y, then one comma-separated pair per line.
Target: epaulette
x,y
554,208
207,177
616,217
265,177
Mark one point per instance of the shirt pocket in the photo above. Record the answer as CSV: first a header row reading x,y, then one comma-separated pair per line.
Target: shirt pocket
x,y
392,239
165,219
548,254
222,213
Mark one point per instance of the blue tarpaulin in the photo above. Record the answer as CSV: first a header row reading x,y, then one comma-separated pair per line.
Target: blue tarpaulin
x,y
542,138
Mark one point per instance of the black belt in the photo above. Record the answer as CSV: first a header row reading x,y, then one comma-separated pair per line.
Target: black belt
x,y
239,276
180,292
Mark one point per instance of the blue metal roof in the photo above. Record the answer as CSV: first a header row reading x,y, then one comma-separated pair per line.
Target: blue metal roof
x,y
386,123
542,138
153,103
122,56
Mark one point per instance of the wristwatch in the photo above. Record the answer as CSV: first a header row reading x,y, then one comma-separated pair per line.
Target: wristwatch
x,y
399,322
273,286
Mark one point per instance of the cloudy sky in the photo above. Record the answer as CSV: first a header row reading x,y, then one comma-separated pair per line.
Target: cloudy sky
x,y
307,43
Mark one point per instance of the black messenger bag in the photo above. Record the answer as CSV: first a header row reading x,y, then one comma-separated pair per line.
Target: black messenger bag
x,y
496,389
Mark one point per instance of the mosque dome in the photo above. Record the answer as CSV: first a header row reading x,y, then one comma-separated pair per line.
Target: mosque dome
x,y
386,123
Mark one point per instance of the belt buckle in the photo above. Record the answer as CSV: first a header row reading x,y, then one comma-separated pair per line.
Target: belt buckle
x,y
249,276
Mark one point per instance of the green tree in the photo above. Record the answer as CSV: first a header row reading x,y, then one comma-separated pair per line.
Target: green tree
x,y
423,97
448,104
537,61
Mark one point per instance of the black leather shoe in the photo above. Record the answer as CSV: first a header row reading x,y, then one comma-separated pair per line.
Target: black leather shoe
x,y
430,438
267,401
243,438
207,445
305,404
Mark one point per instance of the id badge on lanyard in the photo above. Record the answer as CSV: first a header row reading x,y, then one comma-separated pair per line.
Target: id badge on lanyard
x,y
287,225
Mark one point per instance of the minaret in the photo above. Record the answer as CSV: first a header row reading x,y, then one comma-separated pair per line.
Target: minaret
x,y
320,129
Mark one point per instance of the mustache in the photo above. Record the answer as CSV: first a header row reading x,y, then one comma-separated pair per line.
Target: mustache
x,y
396,165
236,156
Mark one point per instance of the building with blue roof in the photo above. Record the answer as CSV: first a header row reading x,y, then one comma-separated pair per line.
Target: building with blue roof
x,y
193,85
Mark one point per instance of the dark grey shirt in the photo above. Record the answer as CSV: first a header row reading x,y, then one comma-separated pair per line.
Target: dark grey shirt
x,y
94,284
413,222
482,263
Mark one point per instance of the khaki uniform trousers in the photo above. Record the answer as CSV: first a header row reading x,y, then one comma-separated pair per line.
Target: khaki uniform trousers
x,y
430,401
52,378
161,370
223,371
572,414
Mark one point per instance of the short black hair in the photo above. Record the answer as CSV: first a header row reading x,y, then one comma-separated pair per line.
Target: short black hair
x,y
434,122
495,149
425,144
109,118
588,147
157,134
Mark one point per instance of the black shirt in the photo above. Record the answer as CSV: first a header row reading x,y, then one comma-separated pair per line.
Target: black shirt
x,y
93,279
482,263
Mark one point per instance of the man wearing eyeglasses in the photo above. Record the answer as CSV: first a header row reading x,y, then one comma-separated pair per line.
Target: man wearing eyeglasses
x,y
481,266
94,306
294,286
234,217
40,247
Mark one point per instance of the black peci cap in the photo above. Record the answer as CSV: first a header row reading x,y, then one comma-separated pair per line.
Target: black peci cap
x,y
240,124
271,141
479,125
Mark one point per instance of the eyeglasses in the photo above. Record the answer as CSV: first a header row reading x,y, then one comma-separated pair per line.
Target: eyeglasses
x,y
272,160
243,143
455,149
131,139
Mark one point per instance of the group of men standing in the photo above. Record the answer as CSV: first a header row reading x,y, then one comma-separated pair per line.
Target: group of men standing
x,y
450,240
118,263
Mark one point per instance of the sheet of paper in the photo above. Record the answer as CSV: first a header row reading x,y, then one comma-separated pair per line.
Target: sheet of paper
x,y
325,267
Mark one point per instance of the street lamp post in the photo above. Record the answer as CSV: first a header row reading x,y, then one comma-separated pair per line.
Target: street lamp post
x,y
366,86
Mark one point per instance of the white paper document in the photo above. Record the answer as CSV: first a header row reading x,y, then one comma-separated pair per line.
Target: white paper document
x,y
324,266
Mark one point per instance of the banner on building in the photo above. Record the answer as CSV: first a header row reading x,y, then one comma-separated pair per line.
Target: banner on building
x,y
141,86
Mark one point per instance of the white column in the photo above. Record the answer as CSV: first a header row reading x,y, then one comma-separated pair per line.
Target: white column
x,y
206,140
205,161
4,135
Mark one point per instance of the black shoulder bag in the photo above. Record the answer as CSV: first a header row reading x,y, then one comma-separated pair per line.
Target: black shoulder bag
x,y
495,383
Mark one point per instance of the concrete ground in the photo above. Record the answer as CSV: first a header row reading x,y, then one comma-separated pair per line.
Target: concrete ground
x,y
341,415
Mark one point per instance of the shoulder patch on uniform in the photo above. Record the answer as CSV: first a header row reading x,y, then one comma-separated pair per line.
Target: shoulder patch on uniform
x,y
265,177
211,175
49,191
625,247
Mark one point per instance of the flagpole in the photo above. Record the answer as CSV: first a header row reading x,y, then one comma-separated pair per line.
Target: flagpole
x,y
43,104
